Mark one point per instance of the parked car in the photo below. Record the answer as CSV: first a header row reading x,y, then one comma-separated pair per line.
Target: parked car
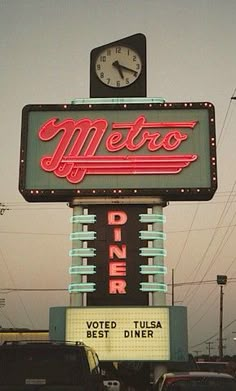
x,y
195,381
213,366
49,366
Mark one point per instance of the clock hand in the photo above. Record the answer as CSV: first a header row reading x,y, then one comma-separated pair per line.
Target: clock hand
x,y
117,65
128,69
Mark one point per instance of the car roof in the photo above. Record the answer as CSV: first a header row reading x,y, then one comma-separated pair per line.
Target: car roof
x,y
197,374
212,362
25,344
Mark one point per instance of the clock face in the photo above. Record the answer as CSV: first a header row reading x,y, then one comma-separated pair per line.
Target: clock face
x,y
118,66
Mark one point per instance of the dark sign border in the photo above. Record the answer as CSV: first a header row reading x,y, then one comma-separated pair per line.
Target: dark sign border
x,y
168,194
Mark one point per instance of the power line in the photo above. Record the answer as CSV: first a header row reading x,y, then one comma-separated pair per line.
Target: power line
x,y
187,237
9,290
207,310
208,296
220,139
2,312
33,233
198,229
214,258
200,263
11,278
66,234
21,205
213,336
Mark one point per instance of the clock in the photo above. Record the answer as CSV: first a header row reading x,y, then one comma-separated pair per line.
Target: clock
x,y
118,66
118,69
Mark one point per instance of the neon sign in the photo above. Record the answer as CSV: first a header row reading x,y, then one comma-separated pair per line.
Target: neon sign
x,y
110,149
123,249
118,278
74,161
117,268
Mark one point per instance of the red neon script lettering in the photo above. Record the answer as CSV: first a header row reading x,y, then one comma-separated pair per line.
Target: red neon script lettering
x,y
76,152
56,163
134,139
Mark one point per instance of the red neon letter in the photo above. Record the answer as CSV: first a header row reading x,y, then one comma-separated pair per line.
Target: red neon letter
x,y
117,218
117,234
73,142
117,269
114,250
117,286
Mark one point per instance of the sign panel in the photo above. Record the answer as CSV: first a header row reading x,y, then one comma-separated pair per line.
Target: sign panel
x,y
123,149
121,334
117,256
125,333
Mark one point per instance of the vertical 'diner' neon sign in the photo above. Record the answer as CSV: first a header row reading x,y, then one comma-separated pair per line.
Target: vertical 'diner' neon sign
x,y
76,157
121,255
117,268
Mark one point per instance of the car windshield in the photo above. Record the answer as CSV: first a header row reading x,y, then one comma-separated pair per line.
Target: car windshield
x,y
41,366
202,384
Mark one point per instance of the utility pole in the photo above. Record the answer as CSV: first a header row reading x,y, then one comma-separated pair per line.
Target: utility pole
x,y
197,353
221,280
209,348
221,325
173,288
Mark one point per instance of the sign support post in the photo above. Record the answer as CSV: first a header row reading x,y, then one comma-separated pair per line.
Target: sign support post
x,y
76,297
159,298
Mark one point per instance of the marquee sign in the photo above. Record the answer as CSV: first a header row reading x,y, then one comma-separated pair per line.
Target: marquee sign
x,y
131,333
123,149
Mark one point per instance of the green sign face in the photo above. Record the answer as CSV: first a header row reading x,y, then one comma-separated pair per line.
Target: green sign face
x,y
130,149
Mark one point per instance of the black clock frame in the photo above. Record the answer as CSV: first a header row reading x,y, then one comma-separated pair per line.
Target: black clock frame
x,y
98,89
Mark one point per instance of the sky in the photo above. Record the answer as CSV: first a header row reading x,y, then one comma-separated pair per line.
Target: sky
x,y
44,58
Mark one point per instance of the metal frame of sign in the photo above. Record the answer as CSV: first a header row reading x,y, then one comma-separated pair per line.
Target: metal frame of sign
x,y
181,192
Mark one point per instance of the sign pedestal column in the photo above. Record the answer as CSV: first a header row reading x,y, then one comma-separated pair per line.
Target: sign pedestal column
x,y
159,297
80,252
76,298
